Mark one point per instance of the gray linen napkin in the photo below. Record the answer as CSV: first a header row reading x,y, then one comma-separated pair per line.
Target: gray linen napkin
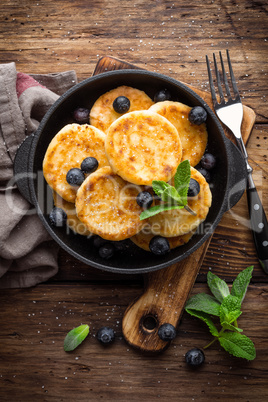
x,y
28,255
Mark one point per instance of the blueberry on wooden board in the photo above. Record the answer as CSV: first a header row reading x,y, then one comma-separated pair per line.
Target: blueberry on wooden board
x,y
167,332
195,357
105,335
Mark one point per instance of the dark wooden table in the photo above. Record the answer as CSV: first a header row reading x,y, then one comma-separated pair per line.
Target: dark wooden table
x,y
170,37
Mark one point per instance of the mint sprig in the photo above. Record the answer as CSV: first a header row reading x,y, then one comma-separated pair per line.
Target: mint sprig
x,y
226,306
75,337
174,197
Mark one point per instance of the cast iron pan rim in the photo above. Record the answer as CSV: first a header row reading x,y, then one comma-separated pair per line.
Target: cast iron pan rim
x,y
54,107
127,270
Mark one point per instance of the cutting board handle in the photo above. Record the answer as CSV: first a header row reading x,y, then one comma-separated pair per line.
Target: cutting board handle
x,y
162,302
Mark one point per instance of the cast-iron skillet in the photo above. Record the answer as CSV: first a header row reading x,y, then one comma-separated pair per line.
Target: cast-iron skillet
x,y
227,186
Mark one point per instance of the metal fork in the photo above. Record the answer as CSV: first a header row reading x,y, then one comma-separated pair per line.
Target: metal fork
x,y
230,112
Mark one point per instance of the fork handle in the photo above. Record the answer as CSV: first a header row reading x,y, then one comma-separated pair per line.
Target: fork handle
x,y
259,224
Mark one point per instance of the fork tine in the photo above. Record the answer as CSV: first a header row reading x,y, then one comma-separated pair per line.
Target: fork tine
x,y
218,80
236,93
212,88
225,79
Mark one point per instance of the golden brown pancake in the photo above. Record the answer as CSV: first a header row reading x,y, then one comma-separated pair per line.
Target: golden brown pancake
x,y
178,222
193,137
67,150
72,220
107,205
143,146
102,113
143,238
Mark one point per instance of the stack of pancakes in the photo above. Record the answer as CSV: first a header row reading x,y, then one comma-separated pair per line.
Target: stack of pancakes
x,y
146,143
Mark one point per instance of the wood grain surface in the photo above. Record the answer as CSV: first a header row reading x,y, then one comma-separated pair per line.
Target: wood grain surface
x,y
34,366
169,37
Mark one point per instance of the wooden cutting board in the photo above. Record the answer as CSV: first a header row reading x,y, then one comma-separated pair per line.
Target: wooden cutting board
x,y
166,290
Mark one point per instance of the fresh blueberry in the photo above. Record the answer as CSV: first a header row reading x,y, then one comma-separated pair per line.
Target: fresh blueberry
x,y
145,199
208,161
98,241
159,245
75,177
57,217
89,165
162,95
81,115
194,188
197,115
195,357
121,104
106,251
105,335
167,332
206,174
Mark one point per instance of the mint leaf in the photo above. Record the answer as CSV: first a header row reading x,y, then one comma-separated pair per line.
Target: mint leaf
x,y
147,213
218,287
226,325
206,318
174,197
159,187
230,309
171,195
182,179
241,283
205,303
75,337
238,345
202,306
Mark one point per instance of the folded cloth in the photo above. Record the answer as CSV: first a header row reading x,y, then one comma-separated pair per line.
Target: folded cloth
x,y
28,255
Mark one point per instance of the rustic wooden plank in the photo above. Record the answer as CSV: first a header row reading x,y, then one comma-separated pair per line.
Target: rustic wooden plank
x,y
35,367
171,38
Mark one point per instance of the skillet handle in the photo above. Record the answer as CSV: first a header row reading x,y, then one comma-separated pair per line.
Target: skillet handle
x,y
21,168
237,174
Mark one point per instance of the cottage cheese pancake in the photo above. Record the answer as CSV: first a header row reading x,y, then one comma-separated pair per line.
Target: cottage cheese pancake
x,y
193,137
178,221
143,146
72,220
102,113
143,238
67,150
107,205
